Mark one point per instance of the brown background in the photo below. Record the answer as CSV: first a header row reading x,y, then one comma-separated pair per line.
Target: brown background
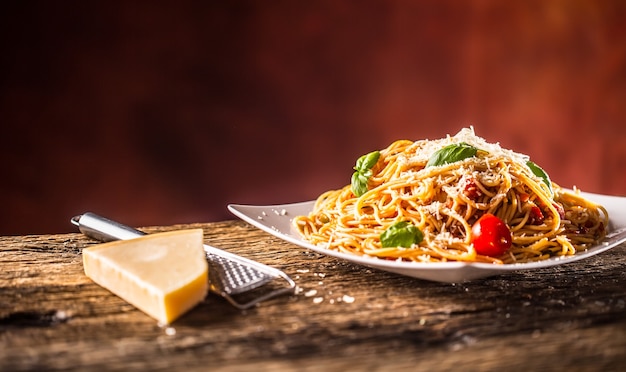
x,y
154,113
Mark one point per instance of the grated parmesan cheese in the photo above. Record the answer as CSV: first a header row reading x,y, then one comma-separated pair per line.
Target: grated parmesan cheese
x,y
467,135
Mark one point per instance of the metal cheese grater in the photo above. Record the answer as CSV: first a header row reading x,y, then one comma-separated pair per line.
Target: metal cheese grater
x,y
241,281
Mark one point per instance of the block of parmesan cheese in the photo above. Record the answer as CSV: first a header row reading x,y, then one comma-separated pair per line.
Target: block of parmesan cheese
x,y
163,274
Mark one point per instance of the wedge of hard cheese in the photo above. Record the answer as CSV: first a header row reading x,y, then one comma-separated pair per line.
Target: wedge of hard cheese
x,y
163,274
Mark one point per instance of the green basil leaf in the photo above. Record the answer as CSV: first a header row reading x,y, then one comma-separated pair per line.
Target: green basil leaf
x,y
366,162
451,154
359,183
537,171
363,172
401,234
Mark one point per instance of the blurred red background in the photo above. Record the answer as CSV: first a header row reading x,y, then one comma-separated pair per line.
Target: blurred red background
x,y
155,114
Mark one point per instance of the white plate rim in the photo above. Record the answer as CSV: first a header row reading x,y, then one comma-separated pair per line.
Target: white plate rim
x,y
276,220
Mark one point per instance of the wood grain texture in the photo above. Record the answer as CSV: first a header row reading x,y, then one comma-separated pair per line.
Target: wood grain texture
x,y
343,316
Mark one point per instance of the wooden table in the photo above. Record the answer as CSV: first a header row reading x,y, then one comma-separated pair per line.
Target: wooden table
x,y
343,316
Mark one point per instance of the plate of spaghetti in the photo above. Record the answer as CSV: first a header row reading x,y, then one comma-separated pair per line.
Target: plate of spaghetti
x,y
448,210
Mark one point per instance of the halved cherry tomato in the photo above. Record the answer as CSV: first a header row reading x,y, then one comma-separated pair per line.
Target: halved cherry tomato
x,y
471,190
536,216
491,236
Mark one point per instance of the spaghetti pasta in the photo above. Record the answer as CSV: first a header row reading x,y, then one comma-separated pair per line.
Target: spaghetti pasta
x,y
441,188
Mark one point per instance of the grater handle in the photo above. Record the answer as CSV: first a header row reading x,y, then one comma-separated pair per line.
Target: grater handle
x,y
103,229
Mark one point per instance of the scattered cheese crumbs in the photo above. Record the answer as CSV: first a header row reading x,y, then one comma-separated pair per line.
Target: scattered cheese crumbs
x,y
163,274
170,331
347,299
311,293
282,212
60,316
318,300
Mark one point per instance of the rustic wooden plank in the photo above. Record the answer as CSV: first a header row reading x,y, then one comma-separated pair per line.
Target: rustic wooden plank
x,y
343,316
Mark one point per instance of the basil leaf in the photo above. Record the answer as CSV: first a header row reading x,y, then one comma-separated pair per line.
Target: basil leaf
x,y
363,172
366,162
537,171
401,234
359,183
451,154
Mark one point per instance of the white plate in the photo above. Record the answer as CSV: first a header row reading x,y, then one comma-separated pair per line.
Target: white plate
x,y
276,220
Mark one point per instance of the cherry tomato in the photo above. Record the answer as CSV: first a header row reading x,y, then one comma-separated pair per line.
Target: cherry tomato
x,y
491,236
536,216
471,190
